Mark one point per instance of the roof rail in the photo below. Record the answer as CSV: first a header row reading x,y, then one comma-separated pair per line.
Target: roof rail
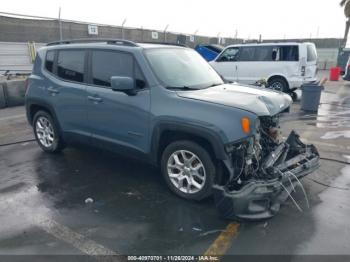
x,y
163,43
94,40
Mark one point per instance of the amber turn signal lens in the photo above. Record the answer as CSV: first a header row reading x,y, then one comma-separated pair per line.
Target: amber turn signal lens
x,y
245,125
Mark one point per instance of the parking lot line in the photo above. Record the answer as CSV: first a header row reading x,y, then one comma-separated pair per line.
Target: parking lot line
x,y
223,242
77,240
41,219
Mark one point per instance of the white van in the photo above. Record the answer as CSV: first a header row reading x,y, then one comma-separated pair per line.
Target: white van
x,y
283,65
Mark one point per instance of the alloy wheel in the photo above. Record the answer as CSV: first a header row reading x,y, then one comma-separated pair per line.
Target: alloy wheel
x,y
44,131
186,171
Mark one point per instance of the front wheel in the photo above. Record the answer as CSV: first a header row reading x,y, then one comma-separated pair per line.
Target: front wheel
x,y
188,170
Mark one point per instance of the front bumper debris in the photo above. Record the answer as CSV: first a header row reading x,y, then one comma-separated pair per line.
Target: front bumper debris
x,y
261,198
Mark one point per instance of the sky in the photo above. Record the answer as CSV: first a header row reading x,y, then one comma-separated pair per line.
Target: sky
x,y
273,19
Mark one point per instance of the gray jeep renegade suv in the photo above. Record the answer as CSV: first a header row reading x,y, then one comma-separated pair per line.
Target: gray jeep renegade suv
x,y
166,104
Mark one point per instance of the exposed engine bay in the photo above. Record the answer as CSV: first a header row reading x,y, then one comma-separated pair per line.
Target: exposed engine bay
x,y
264,172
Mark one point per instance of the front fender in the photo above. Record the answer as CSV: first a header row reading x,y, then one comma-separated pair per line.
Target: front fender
x,y
200,129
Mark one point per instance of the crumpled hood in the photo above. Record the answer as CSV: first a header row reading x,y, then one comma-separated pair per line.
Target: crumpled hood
x,y
261,101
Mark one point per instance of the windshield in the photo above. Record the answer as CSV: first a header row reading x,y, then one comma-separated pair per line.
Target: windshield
x,y
182,68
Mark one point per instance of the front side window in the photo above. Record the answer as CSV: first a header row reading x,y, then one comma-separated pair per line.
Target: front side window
x,y
50,56
229,55
106,64
182,68
70,65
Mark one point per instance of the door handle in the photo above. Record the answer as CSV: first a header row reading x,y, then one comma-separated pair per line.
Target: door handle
x,y
95,99
52,90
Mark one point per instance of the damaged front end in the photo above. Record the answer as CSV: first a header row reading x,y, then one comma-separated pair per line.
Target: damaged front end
x,y
263,173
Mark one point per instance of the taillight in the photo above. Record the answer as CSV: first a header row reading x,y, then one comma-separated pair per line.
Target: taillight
x,y
303,69
348,66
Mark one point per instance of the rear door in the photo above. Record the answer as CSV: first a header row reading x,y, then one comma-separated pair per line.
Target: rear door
x,y
226,63
118,121
65,71
311,62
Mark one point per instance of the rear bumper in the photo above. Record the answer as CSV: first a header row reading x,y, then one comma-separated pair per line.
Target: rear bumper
x,y
261,199
298,82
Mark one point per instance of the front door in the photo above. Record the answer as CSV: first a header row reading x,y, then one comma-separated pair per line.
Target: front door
x,y
226,64
117,120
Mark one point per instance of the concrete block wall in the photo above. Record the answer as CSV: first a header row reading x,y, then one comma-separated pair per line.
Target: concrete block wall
x,y
2,95
15,29
12,93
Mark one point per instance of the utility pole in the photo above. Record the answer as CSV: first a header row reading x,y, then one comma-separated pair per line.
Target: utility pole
x,y
141,33
124,21
166,28
60,22
346,5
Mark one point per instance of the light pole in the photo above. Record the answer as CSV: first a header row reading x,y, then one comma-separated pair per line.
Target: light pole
x,y
166,28
194,36
218,37
124,21
60,22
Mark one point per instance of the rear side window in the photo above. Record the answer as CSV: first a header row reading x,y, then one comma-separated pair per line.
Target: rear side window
x,y
289,53
70,65
50,56
263,53
247,53
311,53
106,64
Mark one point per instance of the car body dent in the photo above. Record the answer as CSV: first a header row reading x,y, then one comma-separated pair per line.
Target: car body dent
x,y
260,101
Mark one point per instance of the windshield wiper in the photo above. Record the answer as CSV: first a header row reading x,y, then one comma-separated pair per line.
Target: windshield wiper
x,y
215,84
181,88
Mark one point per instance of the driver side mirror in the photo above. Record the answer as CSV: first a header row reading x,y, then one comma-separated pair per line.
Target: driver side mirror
x,y
123,84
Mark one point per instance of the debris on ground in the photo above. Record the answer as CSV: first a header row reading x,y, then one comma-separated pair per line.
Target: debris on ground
x,y
89,200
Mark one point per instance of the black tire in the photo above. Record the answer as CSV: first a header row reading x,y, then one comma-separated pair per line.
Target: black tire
x,y
279,84
206,161
57,144
294,96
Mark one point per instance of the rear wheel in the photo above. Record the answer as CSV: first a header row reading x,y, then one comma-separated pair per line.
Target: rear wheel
x,y
188,170
46,132
278,84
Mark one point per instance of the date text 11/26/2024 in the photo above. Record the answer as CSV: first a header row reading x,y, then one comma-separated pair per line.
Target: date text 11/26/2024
x,y
173,258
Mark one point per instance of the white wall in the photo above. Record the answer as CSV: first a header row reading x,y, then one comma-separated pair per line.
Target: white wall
x,y
16,57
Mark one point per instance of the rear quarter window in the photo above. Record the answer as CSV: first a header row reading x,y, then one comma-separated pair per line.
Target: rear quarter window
x,y
289,53
311,53
49,60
